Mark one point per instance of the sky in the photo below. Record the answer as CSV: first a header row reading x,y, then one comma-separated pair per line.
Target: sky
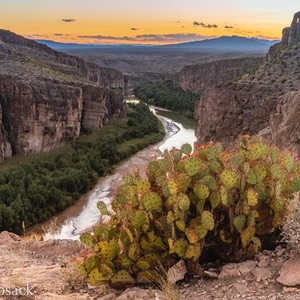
x,y
145,22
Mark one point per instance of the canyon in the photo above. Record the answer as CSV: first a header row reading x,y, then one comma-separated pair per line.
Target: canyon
x,y
47,98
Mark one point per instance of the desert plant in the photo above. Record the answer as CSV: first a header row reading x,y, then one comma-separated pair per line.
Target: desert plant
x,y
189,202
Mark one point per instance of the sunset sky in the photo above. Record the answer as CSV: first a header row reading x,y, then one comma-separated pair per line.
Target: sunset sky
x,y
151,22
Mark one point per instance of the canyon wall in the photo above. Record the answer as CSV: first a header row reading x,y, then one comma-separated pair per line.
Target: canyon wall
x,y
199,77
47,97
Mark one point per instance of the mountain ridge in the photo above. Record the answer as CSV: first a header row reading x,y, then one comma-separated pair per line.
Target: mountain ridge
x,y
228,43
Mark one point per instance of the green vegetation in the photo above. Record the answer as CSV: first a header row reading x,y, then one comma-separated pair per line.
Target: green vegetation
x,y
33,188
165,94
212,199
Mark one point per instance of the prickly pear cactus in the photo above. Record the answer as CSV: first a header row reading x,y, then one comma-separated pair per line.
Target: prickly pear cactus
x,y
190,201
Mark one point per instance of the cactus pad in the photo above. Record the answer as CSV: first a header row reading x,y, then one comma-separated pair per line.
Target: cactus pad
x,y
192,235
207,219
122,278
186,149
229,178
102,208
183,202
152,201
87,239
95,278
139,219
239,223
193,252
252,197
202,191
192,166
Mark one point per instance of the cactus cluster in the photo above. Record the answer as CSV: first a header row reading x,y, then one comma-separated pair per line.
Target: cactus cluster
x,y
188,200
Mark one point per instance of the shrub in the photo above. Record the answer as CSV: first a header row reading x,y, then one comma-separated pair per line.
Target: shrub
x,y
190,202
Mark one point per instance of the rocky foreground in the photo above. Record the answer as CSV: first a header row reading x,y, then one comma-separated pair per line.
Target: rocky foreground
x,y
45,270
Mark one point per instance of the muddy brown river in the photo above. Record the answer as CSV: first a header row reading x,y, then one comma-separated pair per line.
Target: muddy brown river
x,y
84,213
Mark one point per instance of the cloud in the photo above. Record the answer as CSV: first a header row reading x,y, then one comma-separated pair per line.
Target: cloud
x,y
177,21
134,28
148,38
228,27
68,20
36,36
195,23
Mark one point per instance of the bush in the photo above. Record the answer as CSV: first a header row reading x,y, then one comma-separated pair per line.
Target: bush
x,y
190,202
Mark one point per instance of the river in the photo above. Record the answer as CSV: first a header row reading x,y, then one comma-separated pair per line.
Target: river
x,y
84,213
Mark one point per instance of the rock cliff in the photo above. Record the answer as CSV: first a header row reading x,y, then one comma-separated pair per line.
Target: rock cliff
x,y
264,98
47,97
201,76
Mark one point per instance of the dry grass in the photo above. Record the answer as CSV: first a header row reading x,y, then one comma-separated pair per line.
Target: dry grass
x,y
170,290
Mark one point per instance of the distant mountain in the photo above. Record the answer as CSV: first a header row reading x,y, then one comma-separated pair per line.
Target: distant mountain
x,y
226,43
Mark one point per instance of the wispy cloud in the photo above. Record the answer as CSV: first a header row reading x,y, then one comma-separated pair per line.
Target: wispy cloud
x,y
148,38
68,20
228,27
36,36
134,28
195,23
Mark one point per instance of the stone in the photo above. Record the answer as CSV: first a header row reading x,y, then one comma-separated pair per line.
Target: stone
x,y
211,274
247,266
262,273
176,272
290,272
289,289
285,122
140,294
229,271
111,296
240,288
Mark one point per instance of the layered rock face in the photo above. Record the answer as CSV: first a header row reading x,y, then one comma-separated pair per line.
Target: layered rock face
x,y
245,106
47,97
199,77
285,123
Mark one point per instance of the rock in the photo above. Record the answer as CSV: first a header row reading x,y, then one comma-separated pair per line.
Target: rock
x,y
140,294
290,272
51,296
176,272
229,271
211,274
289,289
111,296
240,288
53,248
262,273
285,124
247,266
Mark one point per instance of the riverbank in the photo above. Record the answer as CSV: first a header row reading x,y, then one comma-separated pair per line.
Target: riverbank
x,y
81,216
